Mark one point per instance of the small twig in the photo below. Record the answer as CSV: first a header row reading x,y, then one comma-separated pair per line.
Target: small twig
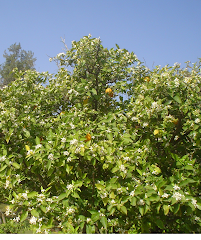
x,y
3,217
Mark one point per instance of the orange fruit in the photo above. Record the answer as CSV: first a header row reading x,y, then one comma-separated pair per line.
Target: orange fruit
x,y
88,137
175,121
61,113
147,79
109,92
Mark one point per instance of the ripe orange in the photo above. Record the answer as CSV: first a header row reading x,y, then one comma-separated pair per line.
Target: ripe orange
x,y
88,137
109,92
175,121
147,79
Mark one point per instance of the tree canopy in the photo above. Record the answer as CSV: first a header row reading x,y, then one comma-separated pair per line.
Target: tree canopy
x,y
77,157
15,58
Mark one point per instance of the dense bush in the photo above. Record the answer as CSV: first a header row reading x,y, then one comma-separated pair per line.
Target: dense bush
x,y
107,146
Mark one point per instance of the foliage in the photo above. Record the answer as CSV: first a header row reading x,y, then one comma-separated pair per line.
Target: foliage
x,y
12,227
108,164
17,58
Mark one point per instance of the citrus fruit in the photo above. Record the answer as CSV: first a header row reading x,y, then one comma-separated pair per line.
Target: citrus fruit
x,y
147,79
109,92
88,137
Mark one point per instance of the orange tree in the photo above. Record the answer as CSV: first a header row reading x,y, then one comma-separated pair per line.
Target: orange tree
x,y
79,157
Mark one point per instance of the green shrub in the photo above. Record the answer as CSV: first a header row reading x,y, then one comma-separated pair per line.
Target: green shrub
x,y
126,160
12,227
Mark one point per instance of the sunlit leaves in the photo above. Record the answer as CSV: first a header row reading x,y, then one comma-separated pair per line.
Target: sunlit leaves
x,y
111,163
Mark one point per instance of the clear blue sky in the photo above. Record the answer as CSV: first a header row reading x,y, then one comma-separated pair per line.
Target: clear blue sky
x,y
159,32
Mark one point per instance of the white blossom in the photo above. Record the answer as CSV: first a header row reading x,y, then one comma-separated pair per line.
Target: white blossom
x,y
51,156
176,137
24,195
66,153
197,120
70,210
69,159
7,184
74,142
2,159
8,211
38,146
63,140
132,194
70,186
176,187
108,130
154,104
176,81
17,219
141,202
33,220
165,195
194,202
88,220
178,196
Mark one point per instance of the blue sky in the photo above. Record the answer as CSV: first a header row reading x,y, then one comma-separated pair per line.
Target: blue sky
x,y
159,32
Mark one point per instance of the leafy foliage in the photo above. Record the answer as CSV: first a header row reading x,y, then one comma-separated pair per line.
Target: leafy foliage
x,y
111,164
17,58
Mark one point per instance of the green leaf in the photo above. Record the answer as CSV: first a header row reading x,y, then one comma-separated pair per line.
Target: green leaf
x,y
158,206
37,140
177,99
123,209
7,138
189,167
95,217
110,136
48,164
176,208
94,91
99,186
141,210
133,201
187,181
2,168
154,198
31,194
112,195
103,220
166,209
43,208
90,229
112,210
139,171
16,165
34,213
159,223
23,216
26,133
61,196
75,195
